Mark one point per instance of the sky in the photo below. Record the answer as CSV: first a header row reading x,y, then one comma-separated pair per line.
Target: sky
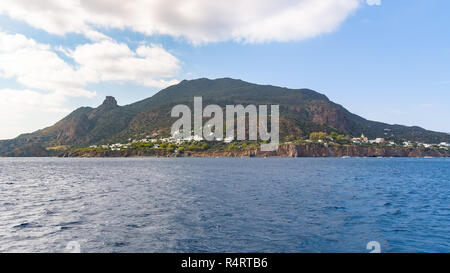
x,y
386,60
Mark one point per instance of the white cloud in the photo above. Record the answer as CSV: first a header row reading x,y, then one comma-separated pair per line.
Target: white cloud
x,y
27,110
373,2
35,66
199,21
50,80
111,61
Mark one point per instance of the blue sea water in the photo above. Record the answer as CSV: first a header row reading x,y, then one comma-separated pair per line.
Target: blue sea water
x,y
224,204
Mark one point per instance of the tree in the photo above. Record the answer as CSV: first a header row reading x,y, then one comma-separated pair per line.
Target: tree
x,y
290,138
315,136
163,145
205,146
334,135
172,147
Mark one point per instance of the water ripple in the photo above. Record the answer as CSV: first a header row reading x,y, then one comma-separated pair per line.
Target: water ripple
x,y
224,204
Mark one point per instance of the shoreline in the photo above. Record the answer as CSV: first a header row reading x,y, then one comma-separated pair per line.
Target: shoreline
x,y
284,151
255,157
310,150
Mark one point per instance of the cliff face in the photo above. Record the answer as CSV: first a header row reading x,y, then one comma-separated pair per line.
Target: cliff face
x,y
70,131
30,151
315,150
286,150
323,114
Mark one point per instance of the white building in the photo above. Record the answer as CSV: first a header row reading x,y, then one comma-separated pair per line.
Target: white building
x,y
425,145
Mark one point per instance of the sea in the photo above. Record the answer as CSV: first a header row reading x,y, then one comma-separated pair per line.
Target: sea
x,y
282,205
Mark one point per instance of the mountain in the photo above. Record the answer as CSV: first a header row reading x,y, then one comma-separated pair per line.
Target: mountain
x,y
302,111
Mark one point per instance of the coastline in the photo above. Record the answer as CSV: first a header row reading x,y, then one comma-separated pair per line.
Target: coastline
x,y
284,150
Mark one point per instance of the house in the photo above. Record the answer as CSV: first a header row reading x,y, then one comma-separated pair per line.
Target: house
x,y
359,140
378,140
407,144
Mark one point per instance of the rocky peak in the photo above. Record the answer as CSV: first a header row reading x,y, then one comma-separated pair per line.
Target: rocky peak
x,y
109,102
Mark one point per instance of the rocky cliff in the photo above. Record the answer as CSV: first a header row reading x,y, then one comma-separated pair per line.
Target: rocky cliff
x,y
286,150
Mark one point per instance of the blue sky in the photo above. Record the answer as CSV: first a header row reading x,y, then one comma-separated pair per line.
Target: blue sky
x,y
388,62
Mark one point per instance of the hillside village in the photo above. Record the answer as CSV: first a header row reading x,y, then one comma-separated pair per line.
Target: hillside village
x,y
196,142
